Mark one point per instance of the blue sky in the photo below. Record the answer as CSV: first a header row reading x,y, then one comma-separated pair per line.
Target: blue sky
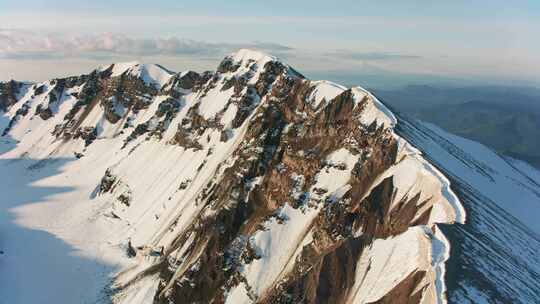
x,y
486,41
457,8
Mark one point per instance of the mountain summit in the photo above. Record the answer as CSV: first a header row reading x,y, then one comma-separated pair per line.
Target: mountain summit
x,y
250,184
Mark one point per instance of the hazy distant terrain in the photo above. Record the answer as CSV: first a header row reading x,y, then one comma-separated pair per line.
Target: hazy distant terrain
x,y
506,119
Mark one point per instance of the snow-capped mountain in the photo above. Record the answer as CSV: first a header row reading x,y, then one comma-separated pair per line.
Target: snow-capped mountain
x,y
251,184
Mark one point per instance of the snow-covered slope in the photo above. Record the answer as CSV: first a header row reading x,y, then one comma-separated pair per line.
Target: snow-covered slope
x,y
248,184
494,257
152,74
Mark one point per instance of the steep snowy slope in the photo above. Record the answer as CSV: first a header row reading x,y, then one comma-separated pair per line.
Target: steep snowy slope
x,y
494,258
250,184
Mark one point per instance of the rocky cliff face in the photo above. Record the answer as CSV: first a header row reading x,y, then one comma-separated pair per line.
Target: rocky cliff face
x,y
9,93
250,184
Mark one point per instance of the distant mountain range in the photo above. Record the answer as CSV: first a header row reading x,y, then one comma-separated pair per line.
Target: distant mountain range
x,y
506,119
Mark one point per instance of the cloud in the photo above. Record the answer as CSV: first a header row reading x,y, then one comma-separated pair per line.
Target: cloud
x,y
370,56
22,44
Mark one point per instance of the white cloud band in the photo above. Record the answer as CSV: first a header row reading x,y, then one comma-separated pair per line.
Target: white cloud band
x,y
17,44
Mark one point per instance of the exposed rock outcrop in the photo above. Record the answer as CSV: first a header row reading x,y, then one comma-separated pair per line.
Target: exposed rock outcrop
x,y
9,92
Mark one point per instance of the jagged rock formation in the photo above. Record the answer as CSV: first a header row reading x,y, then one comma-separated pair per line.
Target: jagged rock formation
x,y
251,184
9,93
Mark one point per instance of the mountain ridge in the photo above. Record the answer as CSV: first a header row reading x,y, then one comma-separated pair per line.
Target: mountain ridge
x,y
248,184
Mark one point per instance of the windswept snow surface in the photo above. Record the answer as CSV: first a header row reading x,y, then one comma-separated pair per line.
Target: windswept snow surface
x,y
513,185
494,256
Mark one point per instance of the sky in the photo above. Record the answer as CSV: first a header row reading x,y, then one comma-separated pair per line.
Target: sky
x,y
387,41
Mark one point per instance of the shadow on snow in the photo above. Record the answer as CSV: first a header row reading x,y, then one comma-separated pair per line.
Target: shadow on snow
x,y
36,266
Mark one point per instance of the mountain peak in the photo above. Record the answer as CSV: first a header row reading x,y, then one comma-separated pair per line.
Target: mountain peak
x,y
152,74
247,59
251,55
260,173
